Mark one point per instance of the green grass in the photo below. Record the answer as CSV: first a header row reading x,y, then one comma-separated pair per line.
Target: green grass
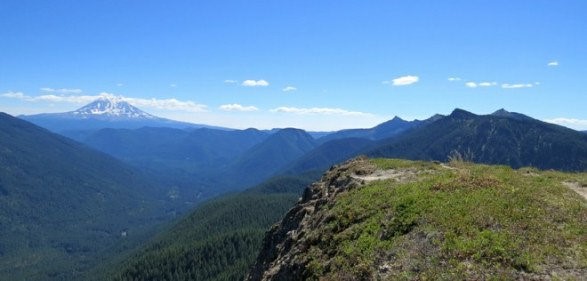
x,y
466,221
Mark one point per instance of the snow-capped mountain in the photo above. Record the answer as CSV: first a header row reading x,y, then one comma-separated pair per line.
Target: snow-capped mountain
x,y
107,111
111,107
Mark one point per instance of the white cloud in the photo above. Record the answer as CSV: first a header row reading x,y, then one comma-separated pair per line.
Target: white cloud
x,y
405,80
61,91
289,89
237,107
454,79
60,98
119,84
552,63
51,98
229,81
517,86
577,124
255,83
480,84
13,95
319,111
168,104
173,85
163,104
487,84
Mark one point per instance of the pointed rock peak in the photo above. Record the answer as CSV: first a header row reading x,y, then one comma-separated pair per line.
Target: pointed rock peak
x,y
513,115
460,113
397,118
501,112
393,122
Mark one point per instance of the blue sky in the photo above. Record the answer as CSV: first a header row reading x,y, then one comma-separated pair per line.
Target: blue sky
x,y
317,65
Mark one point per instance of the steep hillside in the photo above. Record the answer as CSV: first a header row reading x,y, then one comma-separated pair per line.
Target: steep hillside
x,y
218,241
509,139
188,150
500,138
388,219
328,154
270,156
188,160
63,205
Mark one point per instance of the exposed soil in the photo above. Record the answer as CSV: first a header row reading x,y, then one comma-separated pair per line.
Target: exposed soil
x,y
575,186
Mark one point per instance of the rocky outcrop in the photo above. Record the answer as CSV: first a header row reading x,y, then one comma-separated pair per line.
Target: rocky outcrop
x,y
281,257
430,221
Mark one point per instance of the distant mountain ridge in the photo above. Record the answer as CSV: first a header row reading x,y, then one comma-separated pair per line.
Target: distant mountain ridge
x,y
505,138
105,112
223,160
384,130
268,157
65,204
502,137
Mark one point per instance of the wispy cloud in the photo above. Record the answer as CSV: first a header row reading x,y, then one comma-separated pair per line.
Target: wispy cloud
x,y
229,81
454,79
318,111
162,104
255,83
574,123
173,85
168,104
471,84
289,89
61,91
79,99
405,80
237,107
552,63
517,86
13,95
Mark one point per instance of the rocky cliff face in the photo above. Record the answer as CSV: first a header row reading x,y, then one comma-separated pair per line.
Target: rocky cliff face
x,y
394,219
281,257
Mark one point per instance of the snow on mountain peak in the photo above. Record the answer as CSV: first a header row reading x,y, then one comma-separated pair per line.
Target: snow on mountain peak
x,y
112,106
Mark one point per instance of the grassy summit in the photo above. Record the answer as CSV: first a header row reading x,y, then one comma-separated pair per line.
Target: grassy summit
x,y
426,221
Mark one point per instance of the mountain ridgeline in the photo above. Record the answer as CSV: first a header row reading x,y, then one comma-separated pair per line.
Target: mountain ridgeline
x,y
503,138
268,157
204,162
148,171
64,206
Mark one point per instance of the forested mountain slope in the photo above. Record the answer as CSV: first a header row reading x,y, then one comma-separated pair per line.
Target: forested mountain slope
x,y
506,139
62,205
